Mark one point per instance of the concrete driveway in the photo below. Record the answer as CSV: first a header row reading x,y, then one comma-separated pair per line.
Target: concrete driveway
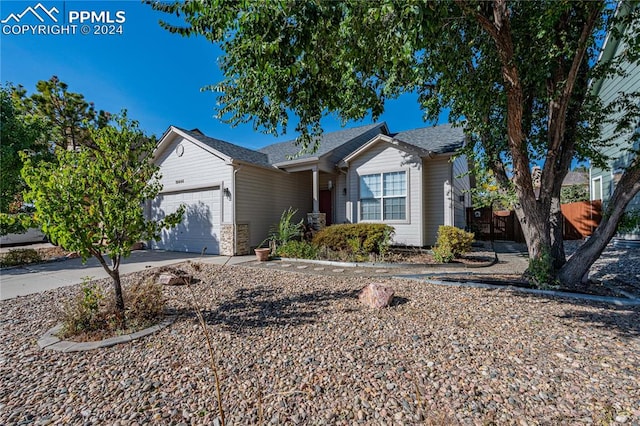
x,y
29,279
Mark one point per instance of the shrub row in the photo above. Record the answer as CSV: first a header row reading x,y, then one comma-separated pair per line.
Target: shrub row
x,y
297,250
20,257
360,239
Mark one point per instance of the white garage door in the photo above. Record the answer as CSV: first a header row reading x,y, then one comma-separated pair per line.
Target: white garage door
x,y
200,226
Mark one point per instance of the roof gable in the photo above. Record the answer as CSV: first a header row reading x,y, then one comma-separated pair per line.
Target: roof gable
x,y
232,151
328,144
425,141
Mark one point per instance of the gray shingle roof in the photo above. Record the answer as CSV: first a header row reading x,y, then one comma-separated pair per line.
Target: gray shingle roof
x,y
329,142
576,178
231,150
439,139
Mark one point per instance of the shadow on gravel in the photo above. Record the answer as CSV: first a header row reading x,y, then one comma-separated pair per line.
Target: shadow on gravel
x,y
397,301
624,320
618,263
263,307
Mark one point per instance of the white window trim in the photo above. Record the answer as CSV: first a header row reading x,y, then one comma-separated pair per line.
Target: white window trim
x,y
593,188
407,219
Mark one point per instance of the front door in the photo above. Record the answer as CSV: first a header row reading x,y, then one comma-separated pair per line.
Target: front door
x,y
325,205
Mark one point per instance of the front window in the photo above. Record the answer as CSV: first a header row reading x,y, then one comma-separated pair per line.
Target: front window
x,y
383,196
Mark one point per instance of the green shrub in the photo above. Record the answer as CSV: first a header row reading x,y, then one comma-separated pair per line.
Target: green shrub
x,y
20,257
285,230
629,222
91,313
359,239
442,254
540,272
452,242
298,250
82,313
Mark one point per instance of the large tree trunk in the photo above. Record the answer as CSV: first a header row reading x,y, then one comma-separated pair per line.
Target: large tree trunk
x,y
540,219
557,234
532,214
536,229
576,269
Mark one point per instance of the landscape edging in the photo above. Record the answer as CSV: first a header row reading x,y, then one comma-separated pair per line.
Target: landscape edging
x,y
50,340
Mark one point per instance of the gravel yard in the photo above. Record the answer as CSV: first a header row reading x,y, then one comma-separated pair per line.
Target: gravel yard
x,y
302,350
615,264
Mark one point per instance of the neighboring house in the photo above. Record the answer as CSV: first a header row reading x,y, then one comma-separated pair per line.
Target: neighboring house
x,y
603,181
573,178
576,177
233,195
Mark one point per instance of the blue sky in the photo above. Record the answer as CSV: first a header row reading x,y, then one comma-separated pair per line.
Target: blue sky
x,y
155,75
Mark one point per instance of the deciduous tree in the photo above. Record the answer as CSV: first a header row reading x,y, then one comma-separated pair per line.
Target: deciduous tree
x,y
91,200
517,73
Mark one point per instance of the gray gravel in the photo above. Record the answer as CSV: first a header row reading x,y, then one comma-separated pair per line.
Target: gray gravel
x,y
301,349
621,264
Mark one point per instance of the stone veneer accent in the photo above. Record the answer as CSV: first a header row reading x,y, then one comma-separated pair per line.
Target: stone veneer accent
x,y
227,236
317,221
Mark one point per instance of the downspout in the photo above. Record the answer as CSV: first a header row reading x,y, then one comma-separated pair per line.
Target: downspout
x,y
452,198
233,209
591,201
449,206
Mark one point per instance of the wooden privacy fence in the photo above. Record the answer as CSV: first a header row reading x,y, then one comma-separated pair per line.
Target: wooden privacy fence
x,y
580,219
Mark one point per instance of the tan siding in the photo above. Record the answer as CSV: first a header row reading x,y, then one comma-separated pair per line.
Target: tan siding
x,y
263,195
196,168
436,172
384,157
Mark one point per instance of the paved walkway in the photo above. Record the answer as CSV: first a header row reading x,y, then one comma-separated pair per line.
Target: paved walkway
x,y
30,279
511,260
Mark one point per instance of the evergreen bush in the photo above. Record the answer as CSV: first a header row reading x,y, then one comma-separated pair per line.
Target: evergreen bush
x,y
359,240
452,242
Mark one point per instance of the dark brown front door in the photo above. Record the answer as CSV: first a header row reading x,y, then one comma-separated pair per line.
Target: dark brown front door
x,y
325,205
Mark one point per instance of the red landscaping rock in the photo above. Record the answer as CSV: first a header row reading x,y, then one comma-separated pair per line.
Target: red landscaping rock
x,y
376,295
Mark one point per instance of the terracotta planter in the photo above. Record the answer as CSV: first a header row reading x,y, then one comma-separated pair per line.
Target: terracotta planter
x,y
262,254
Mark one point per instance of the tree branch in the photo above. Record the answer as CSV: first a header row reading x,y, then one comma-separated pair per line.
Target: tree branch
x,y
558,107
